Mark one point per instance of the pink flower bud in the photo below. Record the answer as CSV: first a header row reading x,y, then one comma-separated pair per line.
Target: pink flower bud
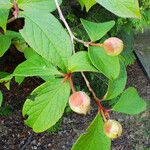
x,y
112,129
80,102
113,46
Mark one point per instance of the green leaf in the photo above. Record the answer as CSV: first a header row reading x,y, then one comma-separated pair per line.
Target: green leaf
x,y
29,52
44,5
35,66
48,78
130,102
106,64
18,41
94,138
44,33
13,34
88,4
122,8
3,74
80,62
5,4
20,44
6,79
5,42
97,30
81,3
115,87
19,79
4,17
1,98
46,104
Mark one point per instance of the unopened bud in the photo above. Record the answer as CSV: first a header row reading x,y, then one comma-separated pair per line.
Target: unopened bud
x,y
112,129
113,46
80,102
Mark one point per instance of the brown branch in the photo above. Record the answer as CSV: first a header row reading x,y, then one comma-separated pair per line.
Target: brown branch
x,y
96,99
11,19
71,84
96,44
89,87
68,28
16,11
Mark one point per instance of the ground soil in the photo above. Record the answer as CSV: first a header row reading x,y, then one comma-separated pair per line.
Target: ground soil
x,y
14,135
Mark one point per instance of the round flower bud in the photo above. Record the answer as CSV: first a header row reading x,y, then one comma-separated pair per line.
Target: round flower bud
x,y
112,129
113,46
80,102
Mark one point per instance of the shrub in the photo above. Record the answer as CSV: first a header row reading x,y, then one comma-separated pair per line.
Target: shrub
x,y
51,52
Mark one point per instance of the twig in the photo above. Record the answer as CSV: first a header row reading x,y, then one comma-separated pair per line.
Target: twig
x,y
27,142
15,5
68,28
11,19
65,23
89,87
103,114
86,44
71,84
96,44
15,12
97,100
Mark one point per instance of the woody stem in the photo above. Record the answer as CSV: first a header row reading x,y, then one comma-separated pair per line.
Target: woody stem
x,y
96,99
71,84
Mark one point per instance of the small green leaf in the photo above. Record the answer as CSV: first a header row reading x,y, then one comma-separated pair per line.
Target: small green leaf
x,y
97,30
19,79
130,102
20,44
6,79
80,62
47,104
5,42
115,87
122,8
7,85
35,66
5,4
88,4
4,17
3,74
94,138
44,33
13,34
106,64
44,5
1,98
81,3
